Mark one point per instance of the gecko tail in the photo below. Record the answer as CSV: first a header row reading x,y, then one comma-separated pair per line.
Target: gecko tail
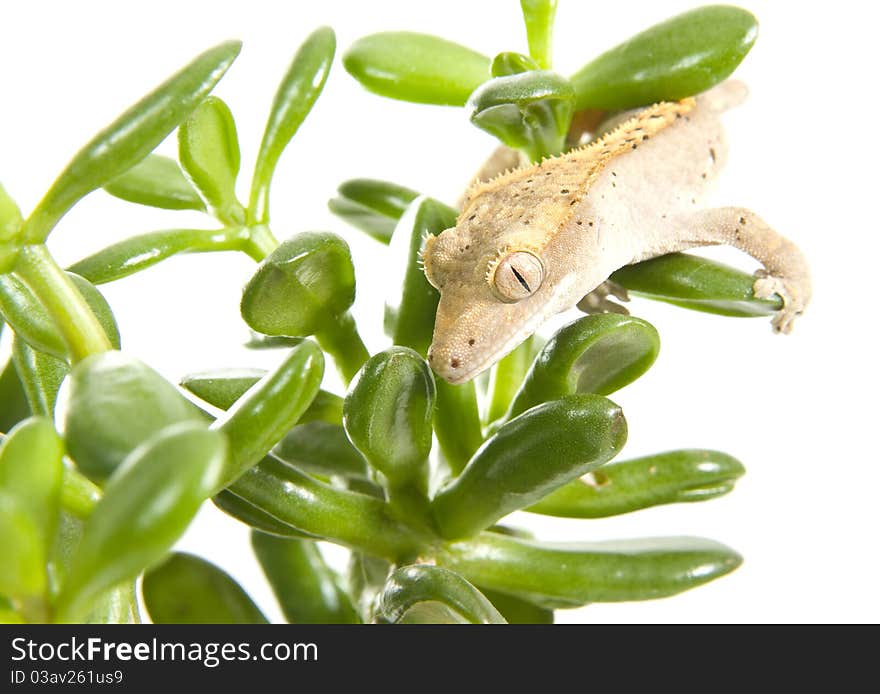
x,y
727,95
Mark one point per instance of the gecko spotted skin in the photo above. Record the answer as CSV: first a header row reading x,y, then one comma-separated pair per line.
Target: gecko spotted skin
x,y
536,240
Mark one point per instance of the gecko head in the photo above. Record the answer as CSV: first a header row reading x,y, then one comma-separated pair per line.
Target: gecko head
x,y
490,301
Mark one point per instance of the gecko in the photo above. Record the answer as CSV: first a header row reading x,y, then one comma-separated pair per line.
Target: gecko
x,y
540,239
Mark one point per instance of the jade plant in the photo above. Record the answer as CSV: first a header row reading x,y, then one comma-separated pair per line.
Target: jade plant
x,y
412,475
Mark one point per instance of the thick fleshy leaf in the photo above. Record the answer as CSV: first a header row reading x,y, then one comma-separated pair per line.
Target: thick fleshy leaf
x,y
31,470
420,583
308,590
509,63
147,505
696,283
416,67
594,354
457,423
156,181
348,518
185,589
372,206
299,89
23,569
506,378
131,137
13,399
682,56
258,420
41,376
572,574
388,414
539,16
516,610
302,287
115,403
145,250
321,448
253,517
530,456
530,111
630,485
209,154
21,309
10,217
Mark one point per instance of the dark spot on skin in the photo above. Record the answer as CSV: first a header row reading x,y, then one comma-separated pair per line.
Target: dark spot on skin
x,y
472,218
742,220
704,175
564,191
693,201
645,137
579,222
526,222
591,224
573,202
677,116
736,233
712,153
471,342
529,180
467,247
613,184
662,216
635,146
613,173
548,173
454,363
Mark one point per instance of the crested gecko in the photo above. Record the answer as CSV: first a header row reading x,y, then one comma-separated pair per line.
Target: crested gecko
x,y
537,240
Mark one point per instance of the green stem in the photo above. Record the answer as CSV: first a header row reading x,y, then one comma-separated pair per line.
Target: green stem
x,y
506,378
261,243
457,423
66,307
342,341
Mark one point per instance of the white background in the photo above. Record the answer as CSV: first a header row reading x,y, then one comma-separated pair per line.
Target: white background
x,y
799,411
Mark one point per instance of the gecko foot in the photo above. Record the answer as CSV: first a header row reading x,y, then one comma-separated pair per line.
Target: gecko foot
x,y
793,300
597,301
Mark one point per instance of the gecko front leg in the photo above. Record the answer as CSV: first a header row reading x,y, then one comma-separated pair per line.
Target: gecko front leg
x,y
785,269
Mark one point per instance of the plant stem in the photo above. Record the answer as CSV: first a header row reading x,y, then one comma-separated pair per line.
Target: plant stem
x,y
457,423
343,342
261,243
506,378
66,307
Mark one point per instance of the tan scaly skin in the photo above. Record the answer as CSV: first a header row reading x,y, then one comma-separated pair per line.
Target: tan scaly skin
x,y
537,240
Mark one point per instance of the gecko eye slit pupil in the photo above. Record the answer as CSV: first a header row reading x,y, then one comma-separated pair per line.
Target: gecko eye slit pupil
x,y
517,276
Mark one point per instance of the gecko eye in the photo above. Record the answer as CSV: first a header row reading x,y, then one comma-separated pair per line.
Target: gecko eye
x,y
517,276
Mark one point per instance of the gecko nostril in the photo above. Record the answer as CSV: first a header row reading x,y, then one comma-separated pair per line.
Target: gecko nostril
x,y
454,363
471,342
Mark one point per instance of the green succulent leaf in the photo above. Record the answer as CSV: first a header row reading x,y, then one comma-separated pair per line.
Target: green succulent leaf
x,y
372,206
513,470
457,423
696,283
258,420
348,518
573,574
131,137
210,156
323,449
682,56
23,569
156,181
539,16
115,403
10,217
302,287
516,610
308,591
416,67
631,485
253,517
40,375
185,589
594,354
147,505
32,323
299,89
145,250
412,585
222,387
530,111
509,63
388,414
14,405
